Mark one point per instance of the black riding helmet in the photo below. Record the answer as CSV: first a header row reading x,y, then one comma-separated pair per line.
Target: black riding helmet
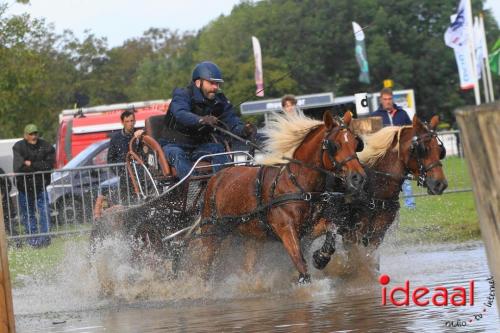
x,y
207,70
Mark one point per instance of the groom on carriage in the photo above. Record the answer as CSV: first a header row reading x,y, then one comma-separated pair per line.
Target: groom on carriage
x,y
192,115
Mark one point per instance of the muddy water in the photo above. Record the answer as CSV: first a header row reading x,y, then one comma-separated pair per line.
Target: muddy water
x,y
105,292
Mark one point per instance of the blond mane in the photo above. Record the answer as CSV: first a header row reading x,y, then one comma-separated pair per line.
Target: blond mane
x,y
285,133
379,143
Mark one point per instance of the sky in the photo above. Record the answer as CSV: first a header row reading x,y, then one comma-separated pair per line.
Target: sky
x,y
495,6
119,20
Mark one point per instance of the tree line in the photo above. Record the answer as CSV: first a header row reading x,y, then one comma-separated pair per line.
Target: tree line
x,y
307,46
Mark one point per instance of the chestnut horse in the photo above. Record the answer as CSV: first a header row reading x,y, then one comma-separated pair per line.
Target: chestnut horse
x,y
389,156
277,199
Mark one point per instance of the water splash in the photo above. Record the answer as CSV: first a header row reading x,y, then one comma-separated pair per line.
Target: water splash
x,y
117,276
69,286
120,271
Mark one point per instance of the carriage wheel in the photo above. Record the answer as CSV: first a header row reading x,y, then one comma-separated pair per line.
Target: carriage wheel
x,y
146,158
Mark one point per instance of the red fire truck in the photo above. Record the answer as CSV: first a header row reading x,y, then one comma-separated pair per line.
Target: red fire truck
x,y
79,128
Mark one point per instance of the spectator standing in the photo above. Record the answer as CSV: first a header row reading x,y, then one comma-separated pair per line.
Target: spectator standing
x,y
118,149
118,146
394,115
289,105
32,155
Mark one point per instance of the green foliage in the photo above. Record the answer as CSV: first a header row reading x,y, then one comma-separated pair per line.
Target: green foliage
x,y
307,46
169,66
32,75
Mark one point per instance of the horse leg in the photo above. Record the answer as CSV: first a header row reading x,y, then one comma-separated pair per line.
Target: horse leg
x,y
322,256
202,253
291,243
382,222
250,255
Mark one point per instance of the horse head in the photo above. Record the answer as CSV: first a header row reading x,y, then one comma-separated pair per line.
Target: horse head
x,y
424,154
339,149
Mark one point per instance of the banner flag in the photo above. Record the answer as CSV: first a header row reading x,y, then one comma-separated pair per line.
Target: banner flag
x,y
457,37
259,75
456,34
478,47
360,51
464,64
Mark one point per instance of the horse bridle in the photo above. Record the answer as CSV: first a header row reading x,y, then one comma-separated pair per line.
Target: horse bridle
x,y
332,149
419,149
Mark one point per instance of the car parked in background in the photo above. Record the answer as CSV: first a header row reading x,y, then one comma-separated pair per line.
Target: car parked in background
x,y
74,188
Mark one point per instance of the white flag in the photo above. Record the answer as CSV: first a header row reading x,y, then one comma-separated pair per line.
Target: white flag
x,y
456,34
464,64
457,37
478,46
259,76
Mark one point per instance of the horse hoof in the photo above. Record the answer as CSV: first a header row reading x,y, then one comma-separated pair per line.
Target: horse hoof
x,y
304,279
320,260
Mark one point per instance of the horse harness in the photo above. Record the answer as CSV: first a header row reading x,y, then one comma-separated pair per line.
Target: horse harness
x,y
374,205
420,150
392,205
315,199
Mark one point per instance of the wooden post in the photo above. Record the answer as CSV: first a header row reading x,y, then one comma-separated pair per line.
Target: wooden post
x,y
7,320
366,125
480,129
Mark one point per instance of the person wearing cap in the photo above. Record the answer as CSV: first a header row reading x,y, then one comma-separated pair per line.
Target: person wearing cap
x,y
33,154
194,110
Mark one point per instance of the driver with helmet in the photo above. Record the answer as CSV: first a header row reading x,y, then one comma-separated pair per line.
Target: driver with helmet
x,y
191,115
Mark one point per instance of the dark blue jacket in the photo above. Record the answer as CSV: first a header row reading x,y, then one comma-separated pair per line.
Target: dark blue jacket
x,y
118,147
400,118
188,105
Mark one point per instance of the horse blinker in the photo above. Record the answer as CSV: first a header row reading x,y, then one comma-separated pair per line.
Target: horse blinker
x,y
421,150
361,145
442,151
332,148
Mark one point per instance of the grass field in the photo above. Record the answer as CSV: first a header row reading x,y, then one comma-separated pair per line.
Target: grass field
x,y
447,218
450,217
28,261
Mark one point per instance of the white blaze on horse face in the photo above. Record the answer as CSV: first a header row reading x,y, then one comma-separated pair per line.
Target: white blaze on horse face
x,y
345,137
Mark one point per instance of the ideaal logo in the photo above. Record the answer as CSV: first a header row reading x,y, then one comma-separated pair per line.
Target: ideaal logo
x,y
422,296
437,296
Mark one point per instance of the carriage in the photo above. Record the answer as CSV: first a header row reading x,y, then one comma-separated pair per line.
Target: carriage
x,y
163,206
